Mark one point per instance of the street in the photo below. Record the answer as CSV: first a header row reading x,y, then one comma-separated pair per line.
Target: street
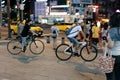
x,y
45,66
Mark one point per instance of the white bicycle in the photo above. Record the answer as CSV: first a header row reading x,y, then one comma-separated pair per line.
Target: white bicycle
x,y
87,52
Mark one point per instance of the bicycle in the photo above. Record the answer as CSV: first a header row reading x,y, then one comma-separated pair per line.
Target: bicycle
x,y
85,50
35,46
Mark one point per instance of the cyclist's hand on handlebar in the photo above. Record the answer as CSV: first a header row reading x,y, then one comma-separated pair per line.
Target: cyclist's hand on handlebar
x,y
33,32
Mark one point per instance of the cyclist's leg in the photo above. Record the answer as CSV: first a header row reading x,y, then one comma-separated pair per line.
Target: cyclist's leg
x,y
75,42
23,42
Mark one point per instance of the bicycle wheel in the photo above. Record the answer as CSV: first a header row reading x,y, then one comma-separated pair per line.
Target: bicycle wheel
x,y
63,52
14,47
36,47
88,53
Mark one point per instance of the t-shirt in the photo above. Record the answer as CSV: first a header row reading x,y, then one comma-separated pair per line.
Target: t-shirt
x,y
54,29
25,31
95,32
74,32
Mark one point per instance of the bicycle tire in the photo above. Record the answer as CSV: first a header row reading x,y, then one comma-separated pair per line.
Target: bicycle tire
x,y
88,53
14,47
61,55
36,47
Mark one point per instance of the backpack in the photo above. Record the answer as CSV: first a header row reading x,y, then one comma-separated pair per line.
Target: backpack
x,y
67,32
54,34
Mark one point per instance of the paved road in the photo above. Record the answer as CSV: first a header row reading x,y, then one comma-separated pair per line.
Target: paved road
x,y
46,66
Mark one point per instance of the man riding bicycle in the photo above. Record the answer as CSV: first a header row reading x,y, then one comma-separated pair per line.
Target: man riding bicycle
x,y
76,31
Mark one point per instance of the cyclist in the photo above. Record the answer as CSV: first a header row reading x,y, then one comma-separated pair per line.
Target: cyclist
x,y
25,33
76,31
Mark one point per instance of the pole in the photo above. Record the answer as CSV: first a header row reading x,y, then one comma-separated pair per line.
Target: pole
x,y
0,13
8,9
21,10
18,12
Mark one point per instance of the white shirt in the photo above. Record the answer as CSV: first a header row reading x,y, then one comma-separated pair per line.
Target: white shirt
x,y
74,32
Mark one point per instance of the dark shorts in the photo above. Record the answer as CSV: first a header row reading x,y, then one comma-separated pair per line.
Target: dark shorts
x,y
95,40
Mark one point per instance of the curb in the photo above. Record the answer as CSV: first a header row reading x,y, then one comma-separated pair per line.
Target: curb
x,y
4,42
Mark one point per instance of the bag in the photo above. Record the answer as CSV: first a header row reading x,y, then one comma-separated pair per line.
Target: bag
x,y
67,32
111,45
106,62
54,34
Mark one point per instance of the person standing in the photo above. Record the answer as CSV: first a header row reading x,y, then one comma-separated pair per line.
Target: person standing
x,y
104,32
55,32
114,45
95,34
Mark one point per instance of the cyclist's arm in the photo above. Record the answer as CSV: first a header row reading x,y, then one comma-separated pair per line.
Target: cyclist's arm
x,y
33,32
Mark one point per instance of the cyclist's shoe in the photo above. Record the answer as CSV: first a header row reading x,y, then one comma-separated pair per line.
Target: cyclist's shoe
x,y
24,49
75,54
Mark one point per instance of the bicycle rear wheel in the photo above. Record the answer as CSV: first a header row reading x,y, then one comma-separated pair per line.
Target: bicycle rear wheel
x,y
88,53
63,52
14,47
36,47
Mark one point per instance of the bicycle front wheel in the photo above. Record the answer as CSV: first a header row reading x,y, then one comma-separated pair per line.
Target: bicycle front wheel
x,y
63,52
14,47
88,53
37,47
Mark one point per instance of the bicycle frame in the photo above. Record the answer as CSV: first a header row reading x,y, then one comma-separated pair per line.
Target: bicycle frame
x,y
78,48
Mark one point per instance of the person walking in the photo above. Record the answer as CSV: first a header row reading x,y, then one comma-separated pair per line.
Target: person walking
x,y
114,45
55,32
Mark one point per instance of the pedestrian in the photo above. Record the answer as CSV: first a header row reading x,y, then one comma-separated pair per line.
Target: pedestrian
x,y
55,32
114,45
88,27
25,33
95,34
104,32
